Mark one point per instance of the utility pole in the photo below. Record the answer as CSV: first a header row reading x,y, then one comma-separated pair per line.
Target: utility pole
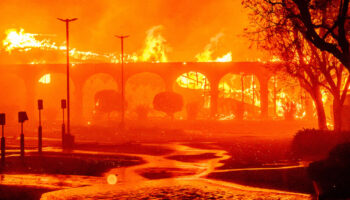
x,y
67,46
122,123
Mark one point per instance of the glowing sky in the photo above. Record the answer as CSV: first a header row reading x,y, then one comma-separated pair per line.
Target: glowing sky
x,y
188,25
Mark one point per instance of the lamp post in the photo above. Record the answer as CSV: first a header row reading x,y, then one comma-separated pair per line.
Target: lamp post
x,y
40,129
67,46
122,123
63,106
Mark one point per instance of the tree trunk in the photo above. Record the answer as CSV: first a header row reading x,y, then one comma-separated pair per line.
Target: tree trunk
x,y
337,114
321,115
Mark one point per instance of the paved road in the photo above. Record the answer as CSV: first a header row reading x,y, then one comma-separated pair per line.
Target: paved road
x,y
192,183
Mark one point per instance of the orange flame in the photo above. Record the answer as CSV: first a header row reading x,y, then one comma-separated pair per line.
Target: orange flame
x,y
24,42
155,46
193,80
206,55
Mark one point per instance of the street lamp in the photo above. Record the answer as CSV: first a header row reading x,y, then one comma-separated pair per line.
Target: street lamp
x,y
122,37
67,46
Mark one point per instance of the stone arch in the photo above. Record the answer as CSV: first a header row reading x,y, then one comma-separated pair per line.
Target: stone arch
x,y
231,96
140,89
92,85
195,88
287,89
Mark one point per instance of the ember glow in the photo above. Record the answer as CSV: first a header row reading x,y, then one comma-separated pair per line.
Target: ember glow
x,y
46,79
193,80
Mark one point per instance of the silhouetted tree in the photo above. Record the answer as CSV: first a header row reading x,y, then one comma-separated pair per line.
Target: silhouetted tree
x,y
331,74
168,102
107,101
324,23
308,36
300,62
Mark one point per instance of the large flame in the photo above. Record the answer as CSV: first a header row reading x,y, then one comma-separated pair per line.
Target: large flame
x,y
154,51
206,55
25,42
155,46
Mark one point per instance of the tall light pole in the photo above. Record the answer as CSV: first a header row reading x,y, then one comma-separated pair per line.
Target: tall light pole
x,y
122,123
67,46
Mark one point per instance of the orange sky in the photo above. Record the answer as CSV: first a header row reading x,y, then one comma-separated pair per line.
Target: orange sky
x,y
188,25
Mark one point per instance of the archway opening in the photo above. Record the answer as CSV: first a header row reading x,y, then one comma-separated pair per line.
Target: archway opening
x,y
239,97
140,90
195,89
287,99
52,88
94,84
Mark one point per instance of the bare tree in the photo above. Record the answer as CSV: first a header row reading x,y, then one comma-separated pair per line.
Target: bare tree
x,y
325,23
308,36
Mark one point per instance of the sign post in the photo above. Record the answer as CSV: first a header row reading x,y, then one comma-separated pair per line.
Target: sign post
x,y
22,117
40,129
63,106
2,123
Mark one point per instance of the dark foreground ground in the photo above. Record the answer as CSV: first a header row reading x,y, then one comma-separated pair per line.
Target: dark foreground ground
x,y
21,192
270,155
67,164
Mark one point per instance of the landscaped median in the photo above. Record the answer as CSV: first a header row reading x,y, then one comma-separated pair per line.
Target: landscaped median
x,y
29,177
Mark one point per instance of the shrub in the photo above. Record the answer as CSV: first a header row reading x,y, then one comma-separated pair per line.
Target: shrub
x,y
142,112
168,102
312,142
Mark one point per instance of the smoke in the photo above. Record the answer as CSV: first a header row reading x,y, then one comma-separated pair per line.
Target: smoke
x,y
187,25
206,55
